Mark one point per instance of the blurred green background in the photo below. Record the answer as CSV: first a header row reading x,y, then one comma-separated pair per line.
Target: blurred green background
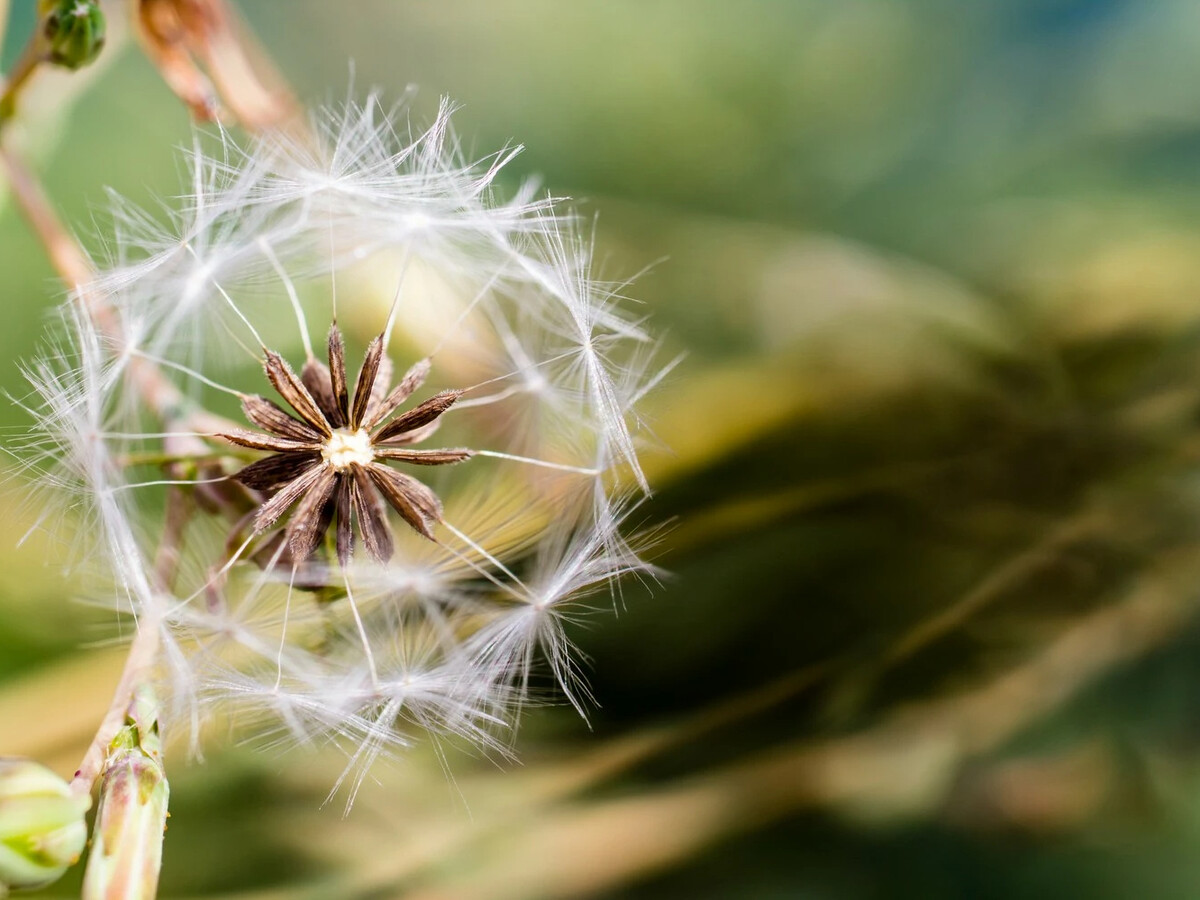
x,y
931,628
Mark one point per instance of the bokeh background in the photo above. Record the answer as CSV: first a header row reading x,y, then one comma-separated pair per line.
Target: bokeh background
x,y
932,627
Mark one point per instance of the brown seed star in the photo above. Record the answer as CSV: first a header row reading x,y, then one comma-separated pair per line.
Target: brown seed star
x,y
328,459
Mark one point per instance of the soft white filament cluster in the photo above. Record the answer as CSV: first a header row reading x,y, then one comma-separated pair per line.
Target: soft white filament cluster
x,y
361,221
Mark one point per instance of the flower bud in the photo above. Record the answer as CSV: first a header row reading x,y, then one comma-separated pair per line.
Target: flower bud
x,y
130,820
132,814
74,30
42,825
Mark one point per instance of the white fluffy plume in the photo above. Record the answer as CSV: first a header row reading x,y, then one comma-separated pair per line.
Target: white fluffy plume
x,y
388,230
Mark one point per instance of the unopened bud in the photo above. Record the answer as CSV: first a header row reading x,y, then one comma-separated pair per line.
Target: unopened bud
x,y
127,844
74,30
42,825
132,815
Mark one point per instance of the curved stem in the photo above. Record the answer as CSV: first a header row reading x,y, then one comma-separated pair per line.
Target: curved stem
x,y
66,257
158,392
141,658
32,56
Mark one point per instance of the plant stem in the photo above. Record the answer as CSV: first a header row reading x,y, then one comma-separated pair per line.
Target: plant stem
x,y
65,255
178,513
168,404
141,658
152,458
3,31
34,54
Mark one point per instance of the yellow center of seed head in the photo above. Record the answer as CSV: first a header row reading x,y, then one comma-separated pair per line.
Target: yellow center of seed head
x,y
347,447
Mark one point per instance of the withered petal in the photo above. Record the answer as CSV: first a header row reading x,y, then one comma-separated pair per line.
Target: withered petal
x,y
412,380
317,379
372,516
304,528
345,528
337,371
292,389
328,510
267,474
415,436
383,380
269,513
415,503
420,415
270,416
366,381
255,441
424,457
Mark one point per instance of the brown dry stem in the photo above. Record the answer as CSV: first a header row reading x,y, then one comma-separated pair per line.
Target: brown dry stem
x,y
208,58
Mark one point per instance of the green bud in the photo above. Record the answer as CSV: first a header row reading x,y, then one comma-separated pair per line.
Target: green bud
x,y
130,820
42,825
74,30
132,815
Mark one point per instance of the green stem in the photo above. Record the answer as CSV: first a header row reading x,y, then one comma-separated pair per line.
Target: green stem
x,y
154,458
35,53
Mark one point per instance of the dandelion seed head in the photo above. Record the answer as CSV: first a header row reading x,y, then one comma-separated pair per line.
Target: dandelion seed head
x,y
336,581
